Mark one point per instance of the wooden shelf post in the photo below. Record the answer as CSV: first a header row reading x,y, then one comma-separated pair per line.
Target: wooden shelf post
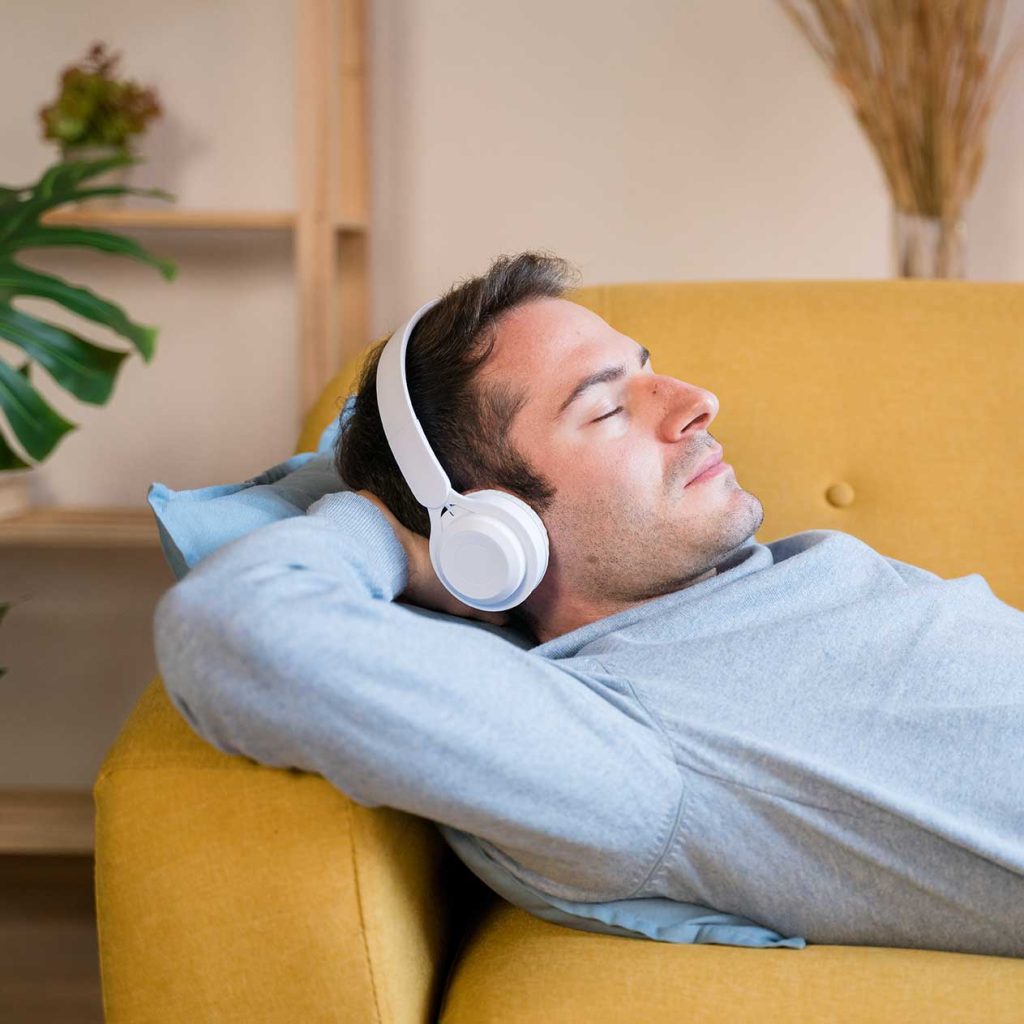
x,y
332,187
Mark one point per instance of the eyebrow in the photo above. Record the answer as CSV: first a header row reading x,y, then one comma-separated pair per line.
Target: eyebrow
x,y
609,373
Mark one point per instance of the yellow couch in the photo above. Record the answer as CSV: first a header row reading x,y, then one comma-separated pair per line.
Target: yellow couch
x,y
231,891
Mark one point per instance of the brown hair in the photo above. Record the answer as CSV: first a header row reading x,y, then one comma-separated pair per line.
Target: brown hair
x,y
465,422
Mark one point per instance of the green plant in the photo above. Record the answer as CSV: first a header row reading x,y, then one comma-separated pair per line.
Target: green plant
x,y
81,367
95,108
76,364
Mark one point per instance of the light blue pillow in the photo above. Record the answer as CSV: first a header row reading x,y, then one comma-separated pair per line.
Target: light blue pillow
x,y
193,524
654,918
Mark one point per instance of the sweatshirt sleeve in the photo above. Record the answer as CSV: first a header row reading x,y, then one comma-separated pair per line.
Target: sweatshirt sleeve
x,y
286,646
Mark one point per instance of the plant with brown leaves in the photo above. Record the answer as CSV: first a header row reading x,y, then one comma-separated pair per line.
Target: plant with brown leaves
x,y
923,83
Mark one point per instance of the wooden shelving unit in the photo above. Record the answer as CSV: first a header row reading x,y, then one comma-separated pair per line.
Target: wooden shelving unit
x,y
126,217
204,220
81,528
329,226
46,821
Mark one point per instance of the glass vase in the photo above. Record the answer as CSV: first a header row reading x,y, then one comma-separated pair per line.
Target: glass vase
x,y
927,246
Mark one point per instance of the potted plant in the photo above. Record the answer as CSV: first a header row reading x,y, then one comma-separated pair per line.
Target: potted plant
x,y
78,365
98,115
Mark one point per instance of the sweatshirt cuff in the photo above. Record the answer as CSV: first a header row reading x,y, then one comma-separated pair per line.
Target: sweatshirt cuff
x,y
362,521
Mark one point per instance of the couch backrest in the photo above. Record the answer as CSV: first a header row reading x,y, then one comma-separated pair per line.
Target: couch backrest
x,y
889,409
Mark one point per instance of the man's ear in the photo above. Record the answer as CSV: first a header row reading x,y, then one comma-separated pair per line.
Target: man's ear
x,y
500,490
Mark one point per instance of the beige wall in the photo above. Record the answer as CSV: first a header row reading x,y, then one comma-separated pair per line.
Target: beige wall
x,y
653,140
662,139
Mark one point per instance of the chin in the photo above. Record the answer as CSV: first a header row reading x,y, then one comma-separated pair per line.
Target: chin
x,y
758,514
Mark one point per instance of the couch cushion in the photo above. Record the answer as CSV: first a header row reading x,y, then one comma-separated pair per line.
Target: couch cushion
x,y
194,523
513,967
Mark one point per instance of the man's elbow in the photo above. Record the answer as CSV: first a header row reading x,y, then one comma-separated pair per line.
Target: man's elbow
x,y
177,642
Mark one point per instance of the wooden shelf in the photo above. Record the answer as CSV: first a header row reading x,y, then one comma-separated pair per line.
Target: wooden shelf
x,y
328,220
81,527
206,220
46,821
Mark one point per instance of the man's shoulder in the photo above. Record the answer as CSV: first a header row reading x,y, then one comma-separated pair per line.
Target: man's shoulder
x,y
824,542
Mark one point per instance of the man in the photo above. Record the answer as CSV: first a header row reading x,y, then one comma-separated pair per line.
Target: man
x,y
805,733
520,389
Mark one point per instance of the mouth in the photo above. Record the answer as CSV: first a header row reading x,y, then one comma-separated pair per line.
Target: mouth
x,y
708,468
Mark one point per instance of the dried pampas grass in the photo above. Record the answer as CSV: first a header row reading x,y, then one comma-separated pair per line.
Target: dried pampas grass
x,y
921,77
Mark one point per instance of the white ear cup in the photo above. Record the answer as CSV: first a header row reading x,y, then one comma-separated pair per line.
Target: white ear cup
x,y
535,534
481,558
490,549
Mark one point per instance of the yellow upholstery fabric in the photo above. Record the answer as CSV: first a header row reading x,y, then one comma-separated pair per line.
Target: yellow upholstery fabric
x,y
229,891
518,969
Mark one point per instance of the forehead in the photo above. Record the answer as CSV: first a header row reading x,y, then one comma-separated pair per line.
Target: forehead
x,y
545,342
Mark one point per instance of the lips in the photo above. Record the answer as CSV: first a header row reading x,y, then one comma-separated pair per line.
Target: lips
x,y
711,460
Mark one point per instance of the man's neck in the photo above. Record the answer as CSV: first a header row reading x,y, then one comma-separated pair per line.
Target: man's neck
x,y
548,616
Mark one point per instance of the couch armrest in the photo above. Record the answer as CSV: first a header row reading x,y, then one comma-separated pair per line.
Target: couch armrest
x,y
232,891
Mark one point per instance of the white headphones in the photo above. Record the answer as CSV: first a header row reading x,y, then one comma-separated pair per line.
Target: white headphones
x,y
489,548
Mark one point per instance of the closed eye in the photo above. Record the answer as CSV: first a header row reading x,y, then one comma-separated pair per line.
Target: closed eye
x,y
645,361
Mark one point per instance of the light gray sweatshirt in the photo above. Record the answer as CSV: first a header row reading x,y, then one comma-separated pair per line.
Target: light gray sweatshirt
x,y
820,738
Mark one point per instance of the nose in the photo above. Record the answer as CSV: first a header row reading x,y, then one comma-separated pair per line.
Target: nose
x,y
682,409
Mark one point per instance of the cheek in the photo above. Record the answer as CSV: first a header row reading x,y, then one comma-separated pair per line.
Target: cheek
x,y
615,492
628,471
603,474
594,474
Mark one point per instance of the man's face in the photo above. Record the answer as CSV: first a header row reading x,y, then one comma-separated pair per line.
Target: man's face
x,y
625,526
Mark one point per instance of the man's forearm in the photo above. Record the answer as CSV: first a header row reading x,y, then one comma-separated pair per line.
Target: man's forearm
x,y
287,646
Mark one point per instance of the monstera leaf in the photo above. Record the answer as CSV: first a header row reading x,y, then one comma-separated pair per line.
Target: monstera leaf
x,y
78,365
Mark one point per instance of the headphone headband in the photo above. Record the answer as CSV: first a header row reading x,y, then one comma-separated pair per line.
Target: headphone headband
x,y
423,473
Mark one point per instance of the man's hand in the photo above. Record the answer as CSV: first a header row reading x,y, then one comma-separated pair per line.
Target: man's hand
x,y
423,587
